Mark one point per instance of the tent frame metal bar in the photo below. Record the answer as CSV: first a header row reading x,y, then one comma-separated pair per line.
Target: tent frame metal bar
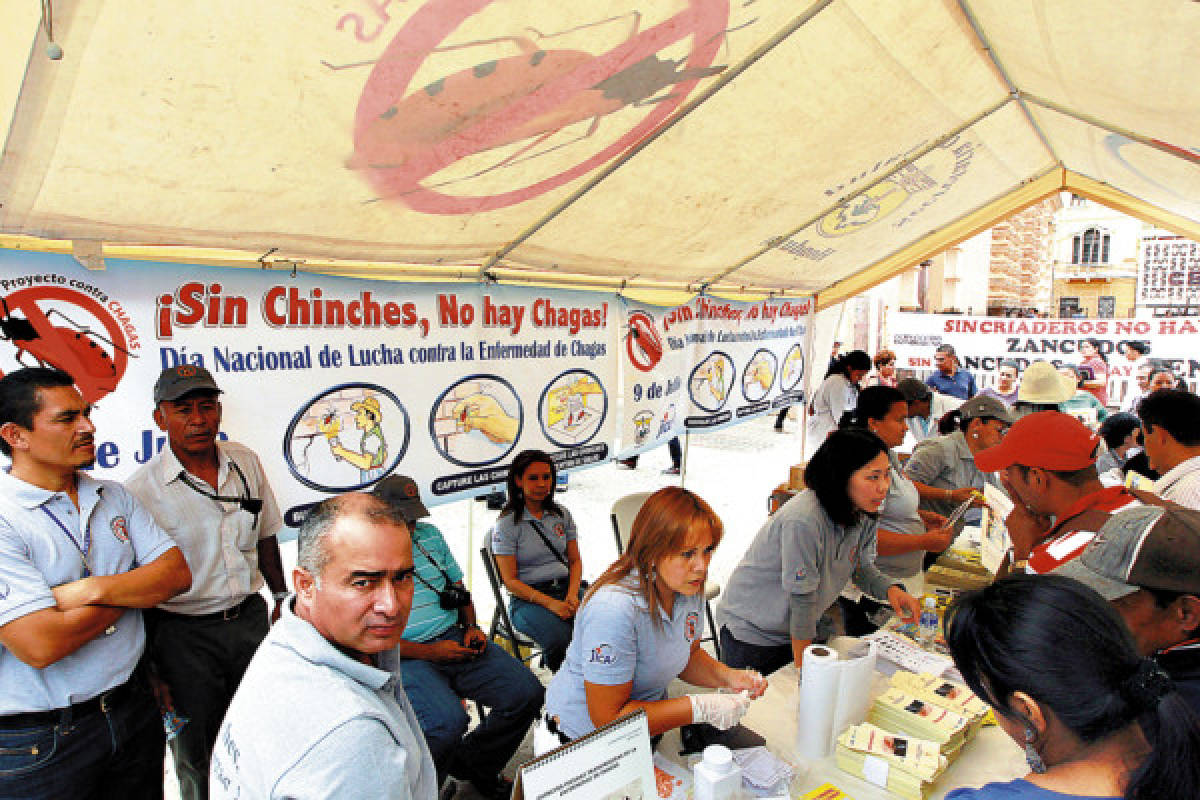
x,y
1016,93
844,199
1088,119
687,108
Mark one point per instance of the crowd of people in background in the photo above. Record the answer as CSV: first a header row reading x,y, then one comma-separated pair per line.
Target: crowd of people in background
x,y
127,608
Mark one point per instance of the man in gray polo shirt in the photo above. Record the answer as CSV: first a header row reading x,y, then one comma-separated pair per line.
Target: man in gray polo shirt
x,y
78,559
317,714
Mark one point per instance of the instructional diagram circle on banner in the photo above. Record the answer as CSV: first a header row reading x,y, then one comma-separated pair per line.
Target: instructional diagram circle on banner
x,y
759,375
711,380
477,421
347,437
793,368
572,408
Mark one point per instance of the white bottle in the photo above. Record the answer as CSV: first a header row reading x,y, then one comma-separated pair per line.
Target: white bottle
x,y
927,629
716,776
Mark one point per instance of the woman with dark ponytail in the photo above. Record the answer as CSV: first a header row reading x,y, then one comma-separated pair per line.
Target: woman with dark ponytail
x,y
836,394
537,555
1061,671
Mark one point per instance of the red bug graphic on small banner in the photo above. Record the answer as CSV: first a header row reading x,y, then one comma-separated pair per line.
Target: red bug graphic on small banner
x,y
95,360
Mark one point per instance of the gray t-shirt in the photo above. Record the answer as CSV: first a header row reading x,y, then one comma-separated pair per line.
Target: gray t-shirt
x,y
899,515
797,564
535,562
308,721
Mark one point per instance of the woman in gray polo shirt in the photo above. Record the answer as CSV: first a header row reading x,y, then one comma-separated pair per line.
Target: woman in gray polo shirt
x,y
640,628
943,468
537,554
905,532
802,557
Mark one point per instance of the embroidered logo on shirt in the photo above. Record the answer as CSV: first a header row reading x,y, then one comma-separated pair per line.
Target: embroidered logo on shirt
x,y
120,529
800,573
603,654
560,530
689,625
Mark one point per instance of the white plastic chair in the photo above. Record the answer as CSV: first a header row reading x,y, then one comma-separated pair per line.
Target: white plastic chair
x,y
624,511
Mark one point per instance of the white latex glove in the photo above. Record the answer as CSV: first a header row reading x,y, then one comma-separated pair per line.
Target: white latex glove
x,y
720,710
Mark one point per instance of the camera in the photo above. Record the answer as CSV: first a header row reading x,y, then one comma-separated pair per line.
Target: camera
x,y
454,597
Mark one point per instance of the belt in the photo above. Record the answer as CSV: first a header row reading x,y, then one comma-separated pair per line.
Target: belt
x,y
105,701
233,612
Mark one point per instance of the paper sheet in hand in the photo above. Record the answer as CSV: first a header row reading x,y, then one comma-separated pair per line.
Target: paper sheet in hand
x,y
834,692
994,542
958,513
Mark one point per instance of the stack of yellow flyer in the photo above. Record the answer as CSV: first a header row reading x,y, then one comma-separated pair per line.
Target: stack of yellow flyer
x,y
899,711
940,576
947,694
903,765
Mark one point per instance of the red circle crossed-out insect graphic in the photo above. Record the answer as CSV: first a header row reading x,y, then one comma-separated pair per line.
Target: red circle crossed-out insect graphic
x,y
404,137
96,361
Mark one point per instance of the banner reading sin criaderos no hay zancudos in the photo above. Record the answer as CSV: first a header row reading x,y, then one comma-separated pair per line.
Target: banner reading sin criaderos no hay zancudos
x,y
333,382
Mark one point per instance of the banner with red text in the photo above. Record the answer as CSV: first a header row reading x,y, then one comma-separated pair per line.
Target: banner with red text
x,y
333,382
708,364
982,342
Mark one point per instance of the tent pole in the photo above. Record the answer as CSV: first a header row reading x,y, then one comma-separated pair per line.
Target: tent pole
x,y
1088,119
810,334
1013,90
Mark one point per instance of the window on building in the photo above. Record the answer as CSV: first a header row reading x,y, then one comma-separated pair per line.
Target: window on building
x,y
1090,247
1106,306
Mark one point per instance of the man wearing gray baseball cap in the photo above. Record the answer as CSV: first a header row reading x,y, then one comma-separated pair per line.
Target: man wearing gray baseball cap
x,y
1146,562
212,496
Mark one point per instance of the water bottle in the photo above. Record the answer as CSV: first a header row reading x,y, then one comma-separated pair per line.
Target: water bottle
x,y
927,628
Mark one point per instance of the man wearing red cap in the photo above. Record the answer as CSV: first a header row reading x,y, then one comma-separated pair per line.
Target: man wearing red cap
x,y
1048,466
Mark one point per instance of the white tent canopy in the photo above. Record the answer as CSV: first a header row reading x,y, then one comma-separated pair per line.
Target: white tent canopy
x,y
752,145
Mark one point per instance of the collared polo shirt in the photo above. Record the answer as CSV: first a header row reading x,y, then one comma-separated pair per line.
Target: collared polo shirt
x,y
616,641
308,721
961,384
1181,483
797,564
945,462
42,535
428,619
218,539
535,561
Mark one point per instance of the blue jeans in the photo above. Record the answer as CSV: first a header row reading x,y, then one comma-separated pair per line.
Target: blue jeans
x,y
103,754
550,631
510,692
740,655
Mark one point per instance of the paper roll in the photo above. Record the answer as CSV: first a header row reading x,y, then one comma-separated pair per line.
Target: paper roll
x,y
834,693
